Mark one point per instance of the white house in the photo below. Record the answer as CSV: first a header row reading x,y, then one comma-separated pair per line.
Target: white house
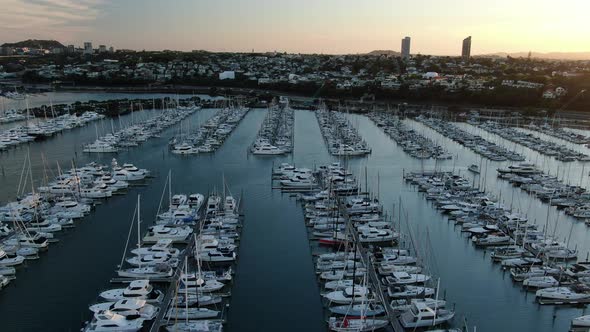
x,y
430,75
227,75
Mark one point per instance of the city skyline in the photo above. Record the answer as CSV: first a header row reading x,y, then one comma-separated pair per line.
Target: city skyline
x,y
331,27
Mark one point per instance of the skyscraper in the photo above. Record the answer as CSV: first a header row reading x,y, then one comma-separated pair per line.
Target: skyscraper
x,y
88,48
406,48
466,51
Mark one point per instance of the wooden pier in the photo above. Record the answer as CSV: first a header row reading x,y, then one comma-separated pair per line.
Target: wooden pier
x,y
159,321
365,256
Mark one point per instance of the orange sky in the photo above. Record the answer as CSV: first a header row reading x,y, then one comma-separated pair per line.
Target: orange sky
x,y
307,26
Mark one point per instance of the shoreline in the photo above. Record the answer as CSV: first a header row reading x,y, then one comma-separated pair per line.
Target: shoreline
x,y
572,118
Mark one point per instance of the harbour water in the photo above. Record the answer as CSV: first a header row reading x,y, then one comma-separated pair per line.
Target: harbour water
x,y
275,286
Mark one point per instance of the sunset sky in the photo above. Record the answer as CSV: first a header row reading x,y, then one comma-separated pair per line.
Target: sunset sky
x,y
304,26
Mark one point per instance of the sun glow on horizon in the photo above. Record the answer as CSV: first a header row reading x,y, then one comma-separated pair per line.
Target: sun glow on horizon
x,y
305,26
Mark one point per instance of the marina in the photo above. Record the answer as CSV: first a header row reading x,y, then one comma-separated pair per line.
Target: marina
x,y
340,136
275,136
181,270
547,148
476,143
38,130
411,142
559,132
294,166
211,135
138,131
38,218
369,278
275,234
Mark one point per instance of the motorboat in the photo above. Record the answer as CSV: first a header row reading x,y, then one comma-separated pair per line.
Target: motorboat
x,y
213,204
184,149
348,295
199,300
421,315
162,246
404,278
540,282
582,321
195,201
157,271
109,321
136,290
175,234
100,147
7,261
127,308
564,294
153,259
402,305
407,291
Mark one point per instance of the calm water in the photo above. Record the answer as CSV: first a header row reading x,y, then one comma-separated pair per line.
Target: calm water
x,y
37,100
275,286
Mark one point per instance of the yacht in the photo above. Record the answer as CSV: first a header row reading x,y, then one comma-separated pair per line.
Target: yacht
x,y
348,295
127,308
564,294
157,271
100,147
195,201
404,278
136,290
362,324
7,261
109,321
196,326
403,305
540,282
162,246
396,292
421,315
184,149
153,259
358,310
159,232
217,255
266,149
582,321
213,204
229,205
179,313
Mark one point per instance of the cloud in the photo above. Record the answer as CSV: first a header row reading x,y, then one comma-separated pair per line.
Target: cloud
x,y
48,16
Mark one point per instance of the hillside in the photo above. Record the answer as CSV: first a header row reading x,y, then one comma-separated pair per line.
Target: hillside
x,y
384,52
34,43
538,55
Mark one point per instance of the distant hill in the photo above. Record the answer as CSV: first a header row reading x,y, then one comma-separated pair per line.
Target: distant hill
x,y
538,55
384,52
34,43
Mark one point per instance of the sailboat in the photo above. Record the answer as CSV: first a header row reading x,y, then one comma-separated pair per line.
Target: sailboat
x,y
154,271
359,312
193,316
190,313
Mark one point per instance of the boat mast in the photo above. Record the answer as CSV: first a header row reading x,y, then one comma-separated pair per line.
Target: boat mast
x,y
436,302
186,288
170,188
138,222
